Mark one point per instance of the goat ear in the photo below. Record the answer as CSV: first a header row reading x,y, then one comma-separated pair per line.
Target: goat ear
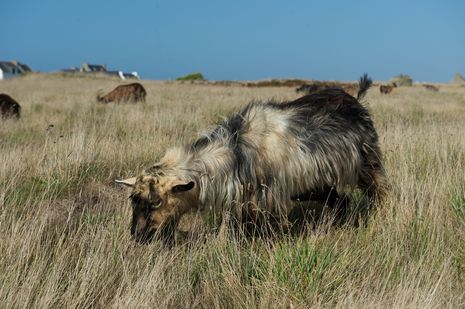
x,y
183,187
130,182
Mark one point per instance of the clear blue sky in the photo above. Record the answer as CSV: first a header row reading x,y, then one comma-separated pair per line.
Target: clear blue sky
x,y
240,39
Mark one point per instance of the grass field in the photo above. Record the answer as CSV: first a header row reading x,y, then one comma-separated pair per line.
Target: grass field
x,y
64,224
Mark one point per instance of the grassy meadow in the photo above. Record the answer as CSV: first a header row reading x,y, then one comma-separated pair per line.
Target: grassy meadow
x,y
64,224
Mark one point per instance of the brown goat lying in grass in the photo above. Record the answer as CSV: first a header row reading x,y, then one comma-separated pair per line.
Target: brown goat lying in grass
x,y
134,92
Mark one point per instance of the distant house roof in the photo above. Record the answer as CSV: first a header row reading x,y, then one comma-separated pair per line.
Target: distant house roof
x,y
23,67
132,75
96,68
86,67
14,67
6,66
123,75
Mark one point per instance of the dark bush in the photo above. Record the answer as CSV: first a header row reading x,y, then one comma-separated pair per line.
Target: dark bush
x,y
402,80
192,77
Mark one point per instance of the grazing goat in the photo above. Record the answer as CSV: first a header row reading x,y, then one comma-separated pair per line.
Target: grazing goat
x,y
255,163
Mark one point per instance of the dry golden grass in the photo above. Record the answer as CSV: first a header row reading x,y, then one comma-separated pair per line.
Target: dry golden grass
x,y
64,225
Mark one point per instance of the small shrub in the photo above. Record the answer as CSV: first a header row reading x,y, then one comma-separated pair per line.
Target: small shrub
x,y
402,80
192,77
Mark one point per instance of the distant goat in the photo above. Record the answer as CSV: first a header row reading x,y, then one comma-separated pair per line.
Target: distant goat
x,y
9,108
125,93
431,87
385,89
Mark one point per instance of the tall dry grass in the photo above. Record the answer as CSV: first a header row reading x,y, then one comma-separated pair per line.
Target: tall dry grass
x,y
64,225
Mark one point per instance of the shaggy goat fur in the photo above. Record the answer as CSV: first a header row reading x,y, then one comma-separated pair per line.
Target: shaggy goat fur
x,y
134,92
254,162
9,107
